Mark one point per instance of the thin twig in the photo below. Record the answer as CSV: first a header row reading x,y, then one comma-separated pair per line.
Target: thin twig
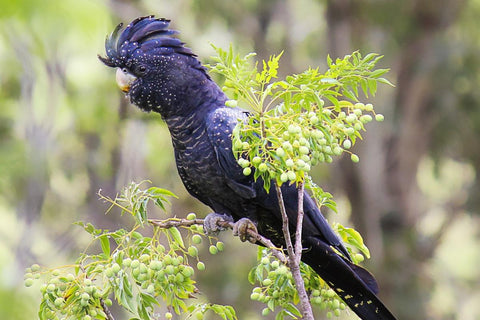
x,y
175,222
294,257
106,310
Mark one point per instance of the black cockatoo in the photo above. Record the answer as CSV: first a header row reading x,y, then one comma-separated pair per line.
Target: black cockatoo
x,y
160,74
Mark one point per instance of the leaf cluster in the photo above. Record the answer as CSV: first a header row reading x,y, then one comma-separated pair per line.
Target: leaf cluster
x,y
276,289
139,272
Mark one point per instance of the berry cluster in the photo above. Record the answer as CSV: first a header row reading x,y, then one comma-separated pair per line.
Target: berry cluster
x,y
276,288
284,144
66,296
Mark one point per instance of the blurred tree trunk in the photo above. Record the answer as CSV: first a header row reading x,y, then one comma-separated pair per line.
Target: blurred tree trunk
x,y
382,188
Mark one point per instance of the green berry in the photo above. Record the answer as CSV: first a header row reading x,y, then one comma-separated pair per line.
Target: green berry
x,y
28,282
213,249
369,107
357,112
35,267
347,144
116,267
337,150
256,160
289,163
304,150
231,103
197,239
379,117
366,118
349,131
51,287
135,264
220,246
247,171
267,282
108,302
88,282
109,272
275,264
283,177
192,251
254,296
354,158
359,105
56,272
191,216
58,302
265,312
168,315
291,175
280,152
359,257
200,266
127,262
144,257
262,167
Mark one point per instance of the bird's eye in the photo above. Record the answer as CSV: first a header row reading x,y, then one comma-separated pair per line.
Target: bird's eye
x,y
141,69
125,70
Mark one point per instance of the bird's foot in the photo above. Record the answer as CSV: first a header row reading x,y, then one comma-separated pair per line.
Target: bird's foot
x,y
243,229
211,223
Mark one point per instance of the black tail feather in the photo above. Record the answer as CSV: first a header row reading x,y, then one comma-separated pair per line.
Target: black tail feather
x,y
355,285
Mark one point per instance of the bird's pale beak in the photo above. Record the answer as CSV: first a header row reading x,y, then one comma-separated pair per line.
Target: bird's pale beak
x,y
124,79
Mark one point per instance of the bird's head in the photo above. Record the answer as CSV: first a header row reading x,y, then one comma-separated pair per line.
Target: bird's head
x,y
154,68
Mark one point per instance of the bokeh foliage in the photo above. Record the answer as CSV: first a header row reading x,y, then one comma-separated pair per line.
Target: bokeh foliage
x,y
66,132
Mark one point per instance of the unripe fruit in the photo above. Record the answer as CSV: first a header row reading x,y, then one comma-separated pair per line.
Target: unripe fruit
x,y
213,249
303,150
231,103
28,282
354,158
347,144
35,267
116,267
168,315
262,167
368,107
275,264
247,171
191,216
291,175
289,163
280,152
51,287
284,177
379,117
201,266
220,245
127,262
197,239
192,251
256,160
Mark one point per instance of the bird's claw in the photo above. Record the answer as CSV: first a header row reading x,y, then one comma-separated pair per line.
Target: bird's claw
x,y
243,228
211,223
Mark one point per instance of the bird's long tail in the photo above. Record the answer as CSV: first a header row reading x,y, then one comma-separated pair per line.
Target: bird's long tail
x,y
355,285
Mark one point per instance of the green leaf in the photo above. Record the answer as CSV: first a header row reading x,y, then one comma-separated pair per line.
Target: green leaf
x,y
105,243
176,236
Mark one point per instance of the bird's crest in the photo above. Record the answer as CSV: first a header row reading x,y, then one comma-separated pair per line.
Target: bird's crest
x,y
146,34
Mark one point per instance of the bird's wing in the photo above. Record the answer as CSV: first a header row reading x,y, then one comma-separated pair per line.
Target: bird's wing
x,y
220,126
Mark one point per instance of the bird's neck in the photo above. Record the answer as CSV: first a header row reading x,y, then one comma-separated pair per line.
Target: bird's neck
x,y
186,115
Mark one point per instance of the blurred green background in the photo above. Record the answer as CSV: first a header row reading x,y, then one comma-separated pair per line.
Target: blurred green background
x,y
66,131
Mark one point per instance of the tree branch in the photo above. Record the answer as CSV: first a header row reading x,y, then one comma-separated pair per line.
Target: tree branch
x,y
176,222
106,310
294,257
